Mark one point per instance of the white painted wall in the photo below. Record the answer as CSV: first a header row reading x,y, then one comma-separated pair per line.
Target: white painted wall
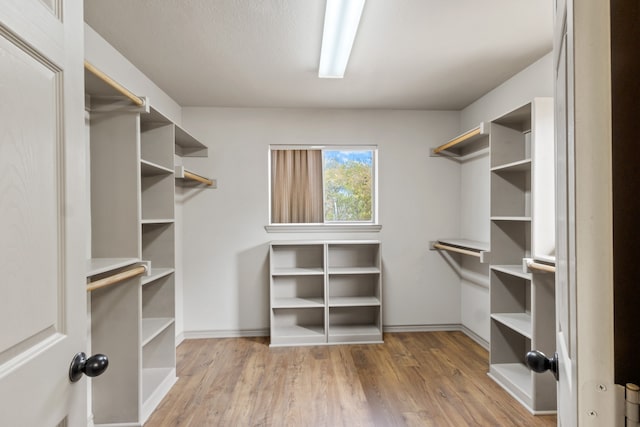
x,y
534,81
226,282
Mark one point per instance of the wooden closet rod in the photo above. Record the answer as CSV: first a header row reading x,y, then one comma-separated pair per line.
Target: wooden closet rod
x,y
116,278
195,177
114,84
541,267
456,249
458,140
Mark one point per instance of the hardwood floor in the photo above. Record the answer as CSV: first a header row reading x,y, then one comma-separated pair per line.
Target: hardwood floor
x,y
413,379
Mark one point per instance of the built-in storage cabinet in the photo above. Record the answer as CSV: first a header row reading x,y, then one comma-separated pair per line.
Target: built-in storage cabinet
x,y
325,292
522,304
132,154
521,230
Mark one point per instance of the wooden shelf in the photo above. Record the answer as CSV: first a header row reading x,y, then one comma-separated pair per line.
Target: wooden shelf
x,y
298,302
157,221
354,270
514,270
518,166
153,169
519,322
365,301
152,327
297,272
188,146
300,331
511,218
155,274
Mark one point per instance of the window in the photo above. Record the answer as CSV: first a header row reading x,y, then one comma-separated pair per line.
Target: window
x,y
323,185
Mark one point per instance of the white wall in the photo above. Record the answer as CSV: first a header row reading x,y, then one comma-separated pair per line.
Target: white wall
x,y
534,81
226,283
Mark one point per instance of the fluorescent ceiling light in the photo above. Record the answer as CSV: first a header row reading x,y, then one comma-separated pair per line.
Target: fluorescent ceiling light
x,y
341,21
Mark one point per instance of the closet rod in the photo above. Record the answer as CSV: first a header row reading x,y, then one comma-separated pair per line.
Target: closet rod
x,y
196,177
456,249
114,84
541,267
458,140
116,278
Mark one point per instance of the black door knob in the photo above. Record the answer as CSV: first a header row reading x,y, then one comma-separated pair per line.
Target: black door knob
x,y
91,367
537,361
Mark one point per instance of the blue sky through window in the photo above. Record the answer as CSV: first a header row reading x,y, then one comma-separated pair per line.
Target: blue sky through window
x,y
341,156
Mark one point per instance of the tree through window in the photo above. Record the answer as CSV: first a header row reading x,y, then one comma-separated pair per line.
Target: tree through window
x,y
323,185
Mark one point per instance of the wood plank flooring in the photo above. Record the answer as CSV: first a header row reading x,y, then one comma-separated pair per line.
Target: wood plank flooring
x,y
414,379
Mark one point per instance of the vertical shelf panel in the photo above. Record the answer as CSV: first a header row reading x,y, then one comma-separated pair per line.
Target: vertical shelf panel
x,y
113,310
115,183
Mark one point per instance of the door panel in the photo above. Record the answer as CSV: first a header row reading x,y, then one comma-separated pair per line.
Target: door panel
x,y
565,300
42,318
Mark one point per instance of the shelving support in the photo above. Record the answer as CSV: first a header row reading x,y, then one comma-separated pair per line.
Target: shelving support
x,y
117,278
533,265
181,172
464,247
466,146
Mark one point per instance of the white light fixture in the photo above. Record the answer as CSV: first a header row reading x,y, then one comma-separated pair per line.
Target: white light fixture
x,y
341,21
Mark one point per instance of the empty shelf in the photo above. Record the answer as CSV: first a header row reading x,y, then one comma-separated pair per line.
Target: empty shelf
x,y
519,322
514,270
298,302
103,265
151,327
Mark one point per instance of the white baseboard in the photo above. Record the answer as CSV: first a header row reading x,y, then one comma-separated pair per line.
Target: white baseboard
x,y
237,333
422,328
179,338
232,333
477,338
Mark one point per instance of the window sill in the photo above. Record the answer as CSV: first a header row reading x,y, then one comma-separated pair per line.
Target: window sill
x,y
322,228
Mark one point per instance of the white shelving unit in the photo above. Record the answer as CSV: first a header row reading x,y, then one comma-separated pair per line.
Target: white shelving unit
x,y
522,304
132,178
325,292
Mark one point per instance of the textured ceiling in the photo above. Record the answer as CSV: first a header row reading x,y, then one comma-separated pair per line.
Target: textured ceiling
x,y
408,54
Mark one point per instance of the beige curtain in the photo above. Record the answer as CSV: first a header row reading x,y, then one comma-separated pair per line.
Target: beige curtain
x,y
296,186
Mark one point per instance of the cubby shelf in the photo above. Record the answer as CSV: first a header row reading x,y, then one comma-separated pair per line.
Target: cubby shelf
x,y
519,322
132,152
514,270
325,292
522,304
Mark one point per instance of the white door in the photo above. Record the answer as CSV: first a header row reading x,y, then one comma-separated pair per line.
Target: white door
x,y
42,248
584,261
565,252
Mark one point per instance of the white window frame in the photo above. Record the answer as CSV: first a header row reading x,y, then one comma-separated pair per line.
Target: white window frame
x,y
333,226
